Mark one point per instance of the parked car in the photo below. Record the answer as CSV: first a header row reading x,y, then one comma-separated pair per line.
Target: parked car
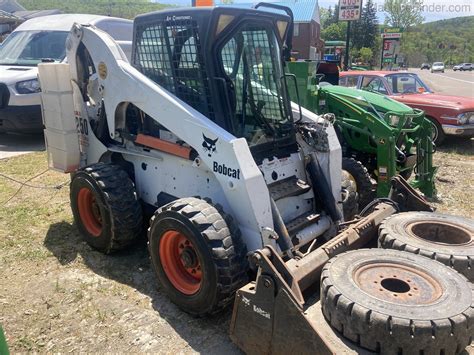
x,y
437,67
463,67
425,66
450,115
36,40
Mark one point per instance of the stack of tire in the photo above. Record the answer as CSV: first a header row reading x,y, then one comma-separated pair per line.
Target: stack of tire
x,y
413,295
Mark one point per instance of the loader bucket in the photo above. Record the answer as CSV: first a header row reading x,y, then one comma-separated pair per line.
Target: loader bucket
x,y
271,315
287,328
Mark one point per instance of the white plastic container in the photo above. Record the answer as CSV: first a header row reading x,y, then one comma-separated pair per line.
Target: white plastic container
x,y
54,105
54,77
63,150
61,136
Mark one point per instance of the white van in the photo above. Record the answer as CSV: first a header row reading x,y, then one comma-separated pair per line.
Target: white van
x,y
37,40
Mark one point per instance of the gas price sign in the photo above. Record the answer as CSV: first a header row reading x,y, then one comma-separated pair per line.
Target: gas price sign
x,y
349,10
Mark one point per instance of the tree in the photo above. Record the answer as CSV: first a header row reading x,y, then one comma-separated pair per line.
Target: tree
x,y
334,32
403,13
365,54
365,31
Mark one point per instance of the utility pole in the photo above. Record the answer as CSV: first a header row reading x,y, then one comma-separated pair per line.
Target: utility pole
x,y
349,10
346,57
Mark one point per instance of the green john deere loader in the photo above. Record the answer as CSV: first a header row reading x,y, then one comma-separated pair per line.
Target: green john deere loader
x,y
380,137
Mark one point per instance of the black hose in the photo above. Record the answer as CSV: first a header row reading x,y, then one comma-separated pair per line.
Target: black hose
x,y
322,188
284,240
376,202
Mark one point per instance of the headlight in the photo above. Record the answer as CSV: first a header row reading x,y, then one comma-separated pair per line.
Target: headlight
x,y
393,120
466,118
28,86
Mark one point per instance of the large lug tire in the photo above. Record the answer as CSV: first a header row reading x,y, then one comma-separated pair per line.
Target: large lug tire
x,y
198,255
105,207
365,185
350,205
444,238
394,302
438,135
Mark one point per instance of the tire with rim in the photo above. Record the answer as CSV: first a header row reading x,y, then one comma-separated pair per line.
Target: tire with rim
x,y
105,207
350,205
444,238
395,302
438,135
198,255
365,185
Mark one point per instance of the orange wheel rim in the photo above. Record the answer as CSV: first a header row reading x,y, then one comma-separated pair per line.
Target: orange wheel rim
x,y
180,262
89,212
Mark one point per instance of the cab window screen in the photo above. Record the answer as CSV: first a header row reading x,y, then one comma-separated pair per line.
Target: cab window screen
x,y
169,53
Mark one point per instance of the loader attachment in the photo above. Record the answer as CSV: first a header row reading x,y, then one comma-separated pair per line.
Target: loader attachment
x,y
281,313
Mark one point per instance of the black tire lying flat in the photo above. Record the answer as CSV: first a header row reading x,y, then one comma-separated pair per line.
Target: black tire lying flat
x,y
105,207
198,255
365,185
444,238
394,302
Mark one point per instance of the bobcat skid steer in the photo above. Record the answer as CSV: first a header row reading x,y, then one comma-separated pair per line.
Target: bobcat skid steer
x,y
198,128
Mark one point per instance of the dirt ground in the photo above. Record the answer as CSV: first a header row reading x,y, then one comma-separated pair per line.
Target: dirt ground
x,y
59,295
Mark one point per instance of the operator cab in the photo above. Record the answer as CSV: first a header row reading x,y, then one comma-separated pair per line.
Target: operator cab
x,y
225,63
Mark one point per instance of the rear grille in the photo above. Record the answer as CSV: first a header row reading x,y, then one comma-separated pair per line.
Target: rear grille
x,y
4,95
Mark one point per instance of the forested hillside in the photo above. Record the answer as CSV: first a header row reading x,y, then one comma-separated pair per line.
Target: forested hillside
x,y
120,8
449,41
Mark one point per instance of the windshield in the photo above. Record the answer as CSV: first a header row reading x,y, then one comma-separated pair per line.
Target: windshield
x,y
30,47
406,84
438,64
250,60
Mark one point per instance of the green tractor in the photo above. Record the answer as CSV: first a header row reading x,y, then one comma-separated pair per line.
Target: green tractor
x,y
380,137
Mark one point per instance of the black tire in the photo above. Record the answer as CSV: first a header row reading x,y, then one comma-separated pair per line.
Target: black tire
x,y
365,185
444,238
115,210
438,136
350,206
218,246
394,302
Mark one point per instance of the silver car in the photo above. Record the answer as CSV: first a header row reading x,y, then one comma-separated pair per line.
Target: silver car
x,y
437,67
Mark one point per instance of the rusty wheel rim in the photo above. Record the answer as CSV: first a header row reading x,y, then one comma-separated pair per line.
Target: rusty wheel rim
x,y
441,233
398,283
180,262
89,212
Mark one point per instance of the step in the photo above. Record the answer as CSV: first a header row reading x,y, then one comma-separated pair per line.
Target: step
x,y
301,222
291,186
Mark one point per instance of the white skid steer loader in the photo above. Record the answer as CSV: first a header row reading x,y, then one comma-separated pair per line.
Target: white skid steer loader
x,y
199,130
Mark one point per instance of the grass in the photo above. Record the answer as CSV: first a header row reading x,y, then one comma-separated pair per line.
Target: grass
x,y
27,212
77,293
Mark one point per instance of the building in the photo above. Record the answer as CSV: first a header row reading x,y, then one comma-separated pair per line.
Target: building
x,y
10,6
7,23
307,43
12,14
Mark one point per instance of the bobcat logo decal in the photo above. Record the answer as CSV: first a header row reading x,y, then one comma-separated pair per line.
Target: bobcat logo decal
x,y
209,145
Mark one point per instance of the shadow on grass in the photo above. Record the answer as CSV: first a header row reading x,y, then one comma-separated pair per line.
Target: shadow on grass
x,y
457,145
132,267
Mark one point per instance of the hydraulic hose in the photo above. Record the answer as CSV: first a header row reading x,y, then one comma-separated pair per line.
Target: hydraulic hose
x,y
284,240
322,188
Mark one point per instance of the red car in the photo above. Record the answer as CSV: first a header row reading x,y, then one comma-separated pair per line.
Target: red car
x,y
451,115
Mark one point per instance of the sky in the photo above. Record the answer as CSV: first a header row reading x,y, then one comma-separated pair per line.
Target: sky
x,y
434,10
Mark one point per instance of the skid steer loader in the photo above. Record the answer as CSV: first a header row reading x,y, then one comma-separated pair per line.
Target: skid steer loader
x,y
199,130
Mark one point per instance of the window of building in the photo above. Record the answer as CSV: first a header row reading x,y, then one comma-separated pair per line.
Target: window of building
x,y
296,30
